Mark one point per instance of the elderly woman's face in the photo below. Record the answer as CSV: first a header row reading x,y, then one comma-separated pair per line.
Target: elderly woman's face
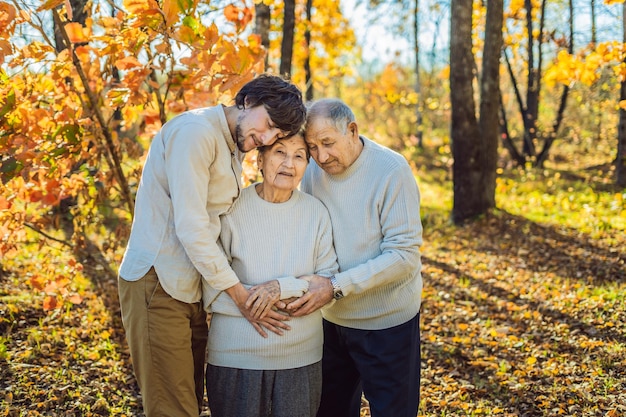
x,y
284,163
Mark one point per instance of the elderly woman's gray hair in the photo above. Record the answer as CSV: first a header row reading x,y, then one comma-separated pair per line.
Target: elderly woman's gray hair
x,y
265,148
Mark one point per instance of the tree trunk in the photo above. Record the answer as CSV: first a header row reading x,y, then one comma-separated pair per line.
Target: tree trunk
x,y
466,170
308,77
286,50
490,103
620,160
594,29
532,88
262,27
78,14
418,86
549,140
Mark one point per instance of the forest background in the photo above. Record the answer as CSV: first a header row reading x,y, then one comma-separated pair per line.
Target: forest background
x,y
524,217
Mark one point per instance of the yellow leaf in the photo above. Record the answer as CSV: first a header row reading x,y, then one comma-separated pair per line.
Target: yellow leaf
x,y
531,361
118,96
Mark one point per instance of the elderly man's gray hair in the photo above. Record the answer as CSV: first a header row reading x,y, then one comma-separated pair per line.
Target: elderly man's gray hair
x,y
338,112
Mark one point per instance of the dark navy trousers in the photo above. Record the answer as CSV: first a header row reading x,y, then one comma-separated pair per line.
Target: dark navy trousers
x,y
384,365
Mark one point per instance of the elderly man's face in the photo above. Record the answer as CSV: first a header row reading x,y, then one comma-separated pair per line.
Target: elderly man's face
x,y
333,150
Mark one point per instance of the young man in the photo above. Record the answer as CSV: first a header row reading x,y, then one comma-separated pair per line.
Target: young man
x,y
190,177
371,330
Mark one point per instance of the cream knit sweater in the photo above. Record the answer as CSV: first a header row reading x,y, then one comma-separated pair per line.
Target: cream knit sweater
x,y
266,241
375,211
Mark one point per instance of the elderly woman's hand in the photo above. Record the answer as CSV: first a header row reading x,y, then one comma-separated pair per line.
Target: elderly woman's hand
x,y
262,298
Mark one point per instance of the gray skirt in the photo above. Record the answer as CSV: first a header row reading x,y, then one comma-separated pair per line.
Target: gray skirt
x,y
236,392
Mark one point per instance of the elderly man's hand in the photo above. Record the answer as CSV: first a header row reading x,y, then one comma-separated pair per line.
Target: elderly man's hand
x,y
319,294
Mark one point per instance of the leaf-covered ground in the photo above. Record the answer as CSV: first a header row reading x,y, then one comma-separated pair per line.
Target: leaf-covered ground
x,y
523,312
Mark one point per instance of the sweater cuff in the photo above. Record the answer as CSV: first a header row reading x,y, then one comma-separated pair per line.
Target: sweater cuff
x,y
292,287
223,280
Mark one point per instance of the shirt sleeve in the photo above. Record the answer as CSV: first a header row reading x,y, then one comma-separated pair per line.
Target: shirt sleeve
x,y
189,154
401,228
326,258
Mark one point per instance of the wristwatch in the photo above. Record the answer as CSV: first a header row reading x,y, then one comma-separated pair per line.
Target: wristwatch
x,y
337,293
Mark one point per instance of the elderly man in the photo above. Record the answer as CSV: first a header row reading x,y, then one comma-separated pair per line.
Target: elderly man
x,y
371,328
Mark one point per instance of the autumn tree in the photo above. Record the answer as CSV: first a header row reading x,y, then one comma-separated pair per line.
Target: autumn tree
x,y
620,159
328,53
308,76
399,9
59,136
474,142
588,67
286,49
527,38
262,17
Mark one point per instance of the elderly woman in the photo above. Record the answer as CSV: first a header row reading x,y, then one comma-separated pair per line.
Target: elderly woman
x,y
273,232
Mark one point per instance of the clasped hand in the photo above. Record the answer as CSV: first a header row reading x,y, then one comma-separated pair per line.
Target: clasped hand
x,y
265,309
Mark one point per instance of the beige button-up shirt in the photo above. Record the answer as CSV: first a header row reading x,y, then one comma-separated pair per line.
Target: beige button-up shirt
x,y
191,176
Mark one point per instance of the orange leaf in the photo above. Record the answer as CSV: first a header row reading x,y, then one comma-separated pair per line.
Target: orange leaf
x,y
247,16
7,15
171,9
128,62
4,203
211,36
51,199
36,282
50,302
51,288
75,32
49,5
5,49
75,299
35,196
231,12
140,6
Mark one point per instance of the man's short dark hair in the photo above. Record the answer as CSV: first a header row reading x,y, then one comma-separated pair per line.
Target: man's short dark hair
x,y
281,99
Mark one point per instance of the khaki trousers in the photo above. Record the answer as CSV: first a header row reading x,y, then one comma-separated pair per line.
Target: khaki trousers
x,y
167,340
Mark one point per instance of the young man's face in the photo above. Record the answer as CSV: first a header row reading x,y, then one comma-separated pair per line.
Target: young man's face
x,y
255,128
333,150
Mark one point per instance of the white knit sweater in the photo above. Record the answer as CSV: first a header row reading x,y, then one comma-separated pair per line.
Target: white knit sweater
x,y
266,241
375,211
